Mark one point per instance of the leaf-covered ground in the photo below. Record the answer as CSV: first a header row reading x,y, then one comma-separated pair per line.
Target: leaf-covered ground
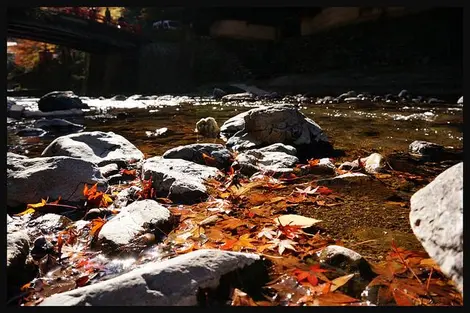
x,y
288,221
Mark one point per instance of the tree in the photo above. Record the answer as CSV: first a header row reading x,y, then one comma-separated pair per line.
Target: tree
x,y
27,53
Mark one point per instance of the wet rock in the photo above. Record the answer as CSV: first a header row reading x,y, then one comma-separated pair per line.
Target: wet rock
x,y
134,219
351,99
117,179
49,223
15,111
244,96
279,147
57,124
31,179
377,99
460,101
98,147
233,125
177,179
60,100
389,98
346,259
96,213
31,132
425,149
123,197
109,169
17,251
404,94
10,103
374,163
275,163
324,167
173,282
160,132
345,95
119,98
218,93
436,219
279,124
194,153
434,101
58,113
208,127
346,179
41,247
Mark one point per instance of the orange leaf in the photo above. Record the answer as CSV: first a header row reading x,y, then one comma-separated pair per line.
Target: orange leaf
x,y
231,223
401,298
228,245
132,173
96,226
210,161
324,191
313,162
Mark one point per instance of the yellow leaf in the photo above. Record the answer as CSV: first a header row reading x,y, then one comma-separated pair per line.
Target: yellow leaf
x,y
296,220
37,205
107,198
28,211
340,281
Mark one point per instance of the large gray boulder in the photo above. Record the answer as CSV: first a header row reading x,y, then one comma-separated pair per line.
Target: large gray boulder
x,y
31,179
436,218
277,124
233,125
179,180
60,100
173,282
98,147
194,153
132,220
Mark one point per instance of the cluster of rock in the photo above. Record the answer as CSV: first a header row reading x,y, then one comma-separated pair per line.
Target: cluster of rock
x,y
351,96
53,104
268,139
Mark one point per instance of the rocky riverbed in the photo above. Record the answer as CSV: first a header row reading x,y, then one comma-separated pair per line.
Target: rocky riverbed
x,y
290,200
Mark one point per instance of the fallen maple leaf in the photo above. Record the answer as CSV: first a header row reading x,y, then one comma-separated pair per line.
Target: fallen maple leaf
x,y
266,232
243,242
208,160
296,220
95,226
132,173
282,245
308,190
324,191
340,281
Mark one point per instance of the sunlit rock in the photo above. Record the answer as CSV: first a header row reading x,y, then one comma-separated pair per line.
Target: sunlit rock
x,y
222,158
208,127
436,219
132,220
31,179
98,147
285,124
173,282
177,179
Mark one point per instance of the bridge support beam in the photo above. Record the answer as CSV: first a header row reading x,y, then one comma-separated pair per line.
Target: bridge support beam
x,y
111,74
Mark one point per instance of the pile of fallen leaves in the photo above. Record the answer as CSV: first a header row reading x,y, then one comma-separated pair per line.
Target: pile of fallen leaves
x,y
250,216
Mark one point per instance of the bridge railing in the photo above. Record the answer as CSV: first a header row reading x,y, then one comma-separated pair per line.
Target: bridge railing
x,y
88,14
